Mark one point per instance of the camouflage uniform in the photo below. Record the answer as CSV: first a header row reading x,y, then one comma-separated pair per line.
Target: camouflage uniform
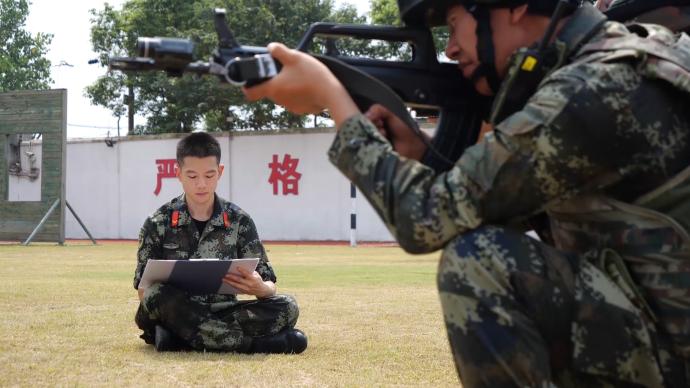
x,y
610,303
212,322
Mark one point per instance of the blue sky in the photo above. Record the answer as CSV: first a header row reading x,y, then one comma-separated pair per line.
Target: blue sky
x,y
69,22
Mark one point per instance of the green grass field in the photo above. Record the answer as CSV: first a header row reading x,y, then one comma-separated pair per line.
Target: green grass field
x,y
371,313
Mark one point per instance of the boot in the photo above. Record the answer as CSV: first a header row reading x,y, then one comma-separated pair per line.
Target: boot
x,y
168,342
286,341
148,337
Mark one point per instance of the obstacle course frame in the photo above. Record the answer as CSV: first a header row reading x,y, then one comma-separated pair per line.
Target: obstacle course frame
x,y
30,112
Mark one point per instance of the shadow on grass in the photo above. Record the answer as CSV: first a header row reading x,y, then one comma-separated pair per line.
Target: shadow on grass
x,y
206,355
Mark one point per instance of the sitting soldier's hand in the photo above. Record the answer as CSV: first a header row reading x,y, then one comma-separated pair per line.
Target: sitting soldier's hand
x,y
249,283
405,142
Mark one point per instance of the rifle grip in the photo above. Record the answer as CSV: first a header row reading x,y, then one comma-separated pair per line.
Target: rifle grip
x,y
254,70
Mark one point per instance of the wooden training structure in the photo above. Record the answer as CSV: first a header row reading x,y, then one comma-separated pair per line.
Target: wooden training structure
x,y
31,112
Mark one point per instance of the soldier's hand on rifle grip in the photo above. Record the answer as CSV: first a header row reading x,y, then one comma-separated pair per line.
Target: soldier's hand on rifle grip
x,y
405,142
304,85
603,5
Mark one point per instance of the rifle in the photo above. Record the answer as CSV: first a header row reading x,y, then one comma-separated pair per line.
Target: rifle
x,y
420,82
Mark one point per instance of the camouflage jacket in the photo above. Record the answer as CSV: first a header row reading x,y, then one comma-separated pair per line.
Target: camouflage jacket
x,y
598,132
229,234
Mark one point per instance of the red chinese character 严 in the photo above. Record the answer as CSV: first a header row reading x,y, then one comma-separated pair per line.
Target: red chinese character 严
x,y
285,173
166,169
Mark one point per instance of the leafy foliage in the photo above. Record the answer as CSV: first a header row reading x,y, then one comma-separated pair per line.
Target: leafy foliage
x,y
383,12
386,12
23,64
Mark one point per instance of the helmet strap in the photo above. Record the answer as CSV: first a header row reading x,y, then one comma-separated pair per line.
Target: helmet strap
x,y
485,48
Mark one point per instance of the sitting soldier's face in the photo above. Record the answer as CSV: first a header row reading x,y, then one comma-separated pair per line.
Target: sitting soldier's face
x,y
199,178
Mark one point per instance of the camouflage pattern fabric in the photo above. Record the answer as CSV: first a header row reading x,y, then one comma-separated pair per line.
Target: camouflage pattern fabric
x,y
212,321
519,298
597,133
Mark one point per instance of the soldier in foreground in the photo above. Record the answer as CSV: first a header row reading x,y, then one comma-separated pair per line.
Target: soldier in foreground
x,y
602,146
200,224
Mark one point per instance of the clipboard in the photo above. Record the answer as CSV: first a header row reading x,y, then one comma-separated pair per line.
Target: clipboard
x,y
196,276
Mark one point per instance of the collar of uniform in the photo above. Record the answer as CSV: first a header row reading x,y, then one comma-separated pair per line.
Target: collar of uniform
x,y
180,204
583,25
218,210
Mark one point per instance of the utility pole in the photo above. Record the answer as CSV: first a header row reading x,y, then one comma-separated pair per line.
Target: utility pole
x,y
130,110
128,99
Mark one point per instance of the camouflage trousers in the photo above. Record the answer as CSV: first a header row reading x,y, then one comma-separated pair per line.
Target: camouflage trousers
x,y
219,326
509,303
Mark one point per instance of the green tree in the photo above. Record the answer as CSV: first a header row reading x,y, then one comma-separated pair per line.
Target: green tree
x,y
386,12
23,64
383,12
181,104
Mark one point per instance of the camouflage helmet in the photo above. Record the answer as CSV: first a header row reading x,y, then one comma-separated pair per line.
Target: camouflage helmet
x,y
433,12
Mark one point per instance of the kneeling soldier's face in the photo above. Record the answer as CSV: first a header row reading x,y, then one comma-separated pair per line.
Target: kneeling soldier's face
x,y
199,178
511,28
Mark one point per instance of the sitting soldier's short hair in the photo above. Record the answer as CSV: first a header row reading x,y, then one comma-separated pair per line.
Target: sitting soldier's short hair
x,y
198,145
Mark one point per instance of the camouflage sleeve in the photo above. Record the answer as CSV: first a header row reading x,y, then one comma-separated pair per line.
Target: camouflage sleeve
x,y
249,245
535,156
149,248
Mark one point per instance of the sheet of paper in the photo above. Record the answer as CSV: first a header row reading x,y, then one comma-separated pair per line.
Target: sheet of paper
x,y
248,264
156,271
198,276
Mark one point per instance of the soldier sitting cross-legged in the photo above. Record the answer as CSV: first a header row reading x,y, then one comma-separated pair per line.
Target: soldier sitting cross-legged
x,y
200,224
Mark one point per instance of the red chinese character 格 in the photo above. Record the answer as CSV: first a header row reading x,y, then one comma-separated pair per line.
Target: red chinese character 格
x,y
284,172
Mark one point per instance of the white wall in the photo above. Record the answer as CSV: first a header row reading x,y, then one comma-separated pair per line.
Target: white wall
x,y
112,188
93,190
